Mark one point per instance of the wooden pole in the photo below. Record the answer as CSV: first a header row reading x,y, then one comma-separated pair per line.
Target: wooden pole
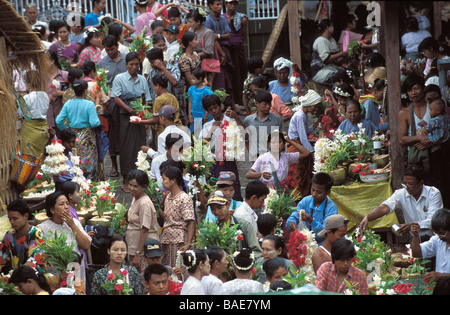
x,y
437,17
294,36
390,38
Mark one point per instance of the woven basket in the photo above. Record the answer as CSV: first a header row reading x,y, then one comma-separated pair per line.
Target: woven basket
x,y
24,169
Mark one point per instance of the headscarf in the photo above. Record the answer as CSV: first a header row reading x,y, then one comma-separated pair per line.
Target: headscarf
x,y
282,63
311,98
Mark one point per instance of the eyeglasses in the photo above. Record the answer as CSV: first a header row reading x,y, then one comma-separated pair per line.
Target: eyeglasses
x,y
441,235
408,185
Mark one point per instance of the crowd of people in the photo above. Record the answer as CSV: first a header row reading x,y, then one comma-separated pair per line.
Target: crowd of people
x,y
196,82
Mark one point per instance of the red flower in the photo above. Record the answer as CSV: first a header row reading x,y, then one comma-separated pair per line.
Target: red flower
x,y
39,176
195,165
64,284
113,200
52,86
254,271
362,173
239,237
124,272
361,156
123,223
118,288
371,172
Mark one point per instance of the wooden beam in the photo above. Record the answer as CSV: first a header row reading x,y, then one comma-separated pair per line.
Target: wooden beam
x,y
389,29
294,36
437,17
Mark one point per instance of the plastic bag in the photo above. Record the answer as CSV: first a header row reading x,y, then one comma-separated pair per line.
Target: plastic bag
x,y
301,224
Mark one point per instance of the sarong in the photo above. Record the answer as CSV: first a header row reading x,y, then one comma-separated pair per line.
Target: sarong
x,y
86,146
34,133
132,137
113,112
222,80
304,174
239,74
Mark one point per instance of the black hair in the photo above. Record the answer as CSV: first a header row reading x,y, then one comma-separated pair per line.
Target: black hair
x,y
189,259
272,265
115,30
256,188
429,43
412,25
375,60
263,96
158,38
243,259
342,249
415,171
196,16
199,73
90,35
78,17
67,134
348,18
155,54
266,223
53,27
79,87
346,88
353,102
442,286
323,179
69,188
379,84
172,139
412,80
161,80
278,243
173,12
50,202
110,41
140,176
131,56
211,2
210,100
61,25
433,70
73,75
155,269
171,162
116,238
173,172
88,67
19,205
281,285
40,31
254,63
187,38
155,24
215,253
260,82
275,134
441,220
23,273
54,57
322,26
433,88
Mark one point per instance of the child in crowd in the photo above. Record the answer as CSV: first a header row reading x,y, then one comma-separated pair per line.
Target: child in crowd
x,y
282,85
438,129
255,68
196,94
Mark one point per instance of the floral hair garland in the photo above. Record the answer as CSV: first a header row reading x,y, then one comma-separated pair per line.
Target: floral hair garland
x,y
191,258
252,257
341,92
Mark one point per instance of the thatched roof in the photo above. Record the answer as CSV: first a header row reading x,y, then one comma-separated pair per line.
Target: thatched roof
x,y
22,44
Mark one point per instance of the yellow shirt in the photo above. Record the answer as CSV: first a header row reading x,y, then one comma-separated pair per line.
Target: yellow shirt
x,y
166,99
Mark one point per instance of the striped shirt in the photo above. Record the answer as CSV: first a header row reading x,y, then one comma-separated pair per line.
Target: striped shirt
x,y
326,279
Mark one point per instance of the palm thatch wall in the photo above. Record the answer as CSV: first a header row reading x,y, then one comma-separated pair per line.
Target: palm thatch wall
x,y
20,48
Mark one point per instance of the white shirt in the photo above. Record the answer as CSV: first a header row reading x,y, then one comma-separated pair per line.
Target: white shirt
x,y
171,129
211,284
38,103
241,286
122,48
420,210
437,248
172,49
155,173
214,143
246,213
192,286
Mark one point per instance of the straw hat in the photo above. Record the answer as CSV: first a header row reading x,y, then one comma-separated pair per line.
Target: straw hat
x,y
377,73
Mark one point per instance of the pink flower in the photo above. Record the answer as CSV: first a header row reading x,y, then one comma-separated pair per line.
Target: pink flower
x,y
118,288
110,276
124,272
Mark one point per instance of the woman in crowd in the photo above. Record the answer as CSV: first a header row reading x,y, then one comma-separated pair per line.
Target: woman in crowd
x,y
66,51
34,130
213,282
189,60
243,262
56,78
412,38
326,56
141,218
83,118
205,38
273,246
178,214
58,210
117,251
255,68
371,103
21,240
197,263
128,87
275,269
30,281
354,121
91,50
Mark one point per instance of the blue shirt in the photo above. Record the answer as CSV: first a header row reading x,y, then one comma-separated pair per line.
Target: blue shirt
x,y
217,25
91,19
283,92
319,215
81,113
372,114
439,129
347,127
212,218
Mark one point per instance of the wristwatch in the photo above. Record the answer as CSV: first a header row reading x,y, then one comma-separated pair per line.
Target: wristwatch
x,y
138,252
218,36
